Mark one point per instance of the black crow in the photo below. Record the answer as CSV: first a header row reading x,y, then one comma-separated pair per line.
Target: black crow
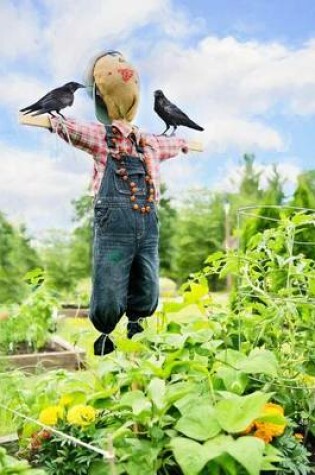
x,y
171,114
55,100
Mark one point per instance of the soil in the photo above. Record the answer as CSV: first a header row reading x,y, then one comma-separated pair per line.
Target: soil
x,y
24,349
73,306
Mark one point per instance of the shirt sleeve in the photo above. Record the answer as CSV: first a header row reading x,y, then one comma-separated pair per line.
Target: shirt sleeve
x,y
89,137
167,147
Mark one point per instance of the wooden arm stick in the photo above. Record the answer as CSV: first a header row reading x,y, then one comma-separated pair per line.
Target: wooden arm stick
x,y
38,121
195,146
44,121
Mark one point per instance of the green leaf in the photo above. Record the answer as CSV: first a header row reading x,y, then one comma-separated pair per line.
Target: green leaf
x,y
231,357
248,451
217,446
199,422
233,380
156,392
137,401
129,346
236,413
186,315
190,455
260,361
99,467
214,257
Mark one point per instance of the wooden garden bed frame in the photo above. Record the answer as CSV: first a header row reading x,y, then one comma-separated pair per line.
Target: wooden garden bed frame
x,y
66,356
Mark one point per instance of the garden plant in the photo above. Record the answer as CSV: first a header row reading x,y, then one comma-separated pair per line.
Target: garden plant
x,y
208,389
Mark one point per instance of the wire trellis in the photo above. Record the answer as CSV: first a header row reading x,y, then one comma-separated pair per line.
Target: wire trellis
x,y
294,293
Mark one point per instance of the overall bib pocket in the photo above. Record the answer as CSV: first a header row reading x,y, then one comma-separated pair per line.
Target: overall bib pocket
x,y
136,175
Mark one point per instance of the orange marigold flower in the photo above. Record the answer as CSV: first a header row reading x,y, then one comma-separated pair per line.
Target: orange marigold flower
x,y
264,435
274,429
249,428
267,430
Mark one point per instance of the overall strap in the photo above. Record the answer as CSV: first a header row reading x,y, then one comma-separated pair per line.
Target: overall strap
x,y
139,147
109,137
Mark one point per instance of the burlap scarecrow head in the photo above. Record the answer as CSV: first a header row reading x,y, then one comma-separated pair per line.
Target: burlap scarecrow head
x,y
114,85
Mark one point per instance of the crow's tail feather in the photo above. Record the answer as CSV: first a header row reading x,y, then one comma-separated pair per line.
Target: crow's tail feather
x,y
39,112
31,108
193,125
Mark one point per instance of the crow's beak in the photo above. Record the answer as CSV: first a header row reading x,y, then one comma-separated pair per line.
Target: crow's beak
x,y
81,85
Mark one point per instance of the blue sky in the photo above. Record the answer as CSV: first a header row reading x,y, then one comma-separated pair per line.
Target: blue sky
x,y
243,69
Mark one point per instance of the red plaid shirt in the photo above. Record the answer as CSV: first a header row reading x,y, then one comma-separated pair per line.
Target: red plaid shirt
x,y
90,137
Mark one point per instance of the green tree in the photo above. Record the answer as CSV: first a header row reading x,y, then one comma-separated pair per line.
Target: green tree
x,y
200,232
17,257
82,236
58,263
304,197
304,194
266,215
167,245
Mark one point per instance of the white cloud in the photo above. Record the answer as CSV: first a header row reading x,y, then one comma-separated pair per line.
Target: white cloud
x,y
232,175
222,134
18,90
232,87
180,173
78,30
226,76
37,189
19,30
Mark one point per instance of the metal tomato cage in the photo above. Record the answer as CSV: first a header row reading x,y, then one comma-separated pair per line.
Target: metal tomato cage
x,y
293,304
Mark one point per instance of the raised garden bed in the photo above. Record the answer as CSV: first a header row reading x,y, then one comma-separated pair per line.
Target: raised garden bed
x,y
73,311
58,353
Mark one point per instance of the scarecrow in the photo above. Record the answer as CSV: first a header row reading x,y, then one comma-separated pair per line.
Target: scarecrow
x,y
125,184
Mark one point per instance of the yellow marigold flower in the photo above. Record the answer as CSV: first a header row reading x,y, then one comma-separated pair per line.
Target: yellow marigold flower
x,y
263,434
270,407
66,400
81,415
50,415
308,380
299,437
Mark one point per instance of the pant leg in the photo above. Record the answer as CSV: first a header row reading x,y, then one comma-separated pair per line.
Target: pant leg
x,y
143,289
112,259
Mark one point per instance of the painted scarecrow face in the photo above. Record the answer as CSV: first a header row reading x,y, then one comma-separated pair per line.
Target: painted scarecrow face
x,y
117,84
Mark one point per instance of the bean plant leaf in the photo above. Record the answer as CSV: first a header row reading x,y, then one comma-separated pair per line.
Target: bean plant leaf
x,y
248,451
218,445
190,455
234,381
259,361
137,401
236,413
199,422
156,392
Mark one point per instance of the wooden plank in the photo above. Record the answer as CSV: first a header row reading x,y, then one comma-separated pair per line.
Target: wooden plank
x,y
69,357
8,439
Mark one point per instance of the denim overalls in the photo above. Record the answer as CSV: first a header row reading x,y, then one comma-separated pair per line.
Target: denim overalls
x,y
125,247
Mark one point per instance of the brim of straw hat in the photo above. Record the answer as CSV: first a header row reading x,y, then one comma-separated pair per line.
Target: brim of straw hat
x,y
100,108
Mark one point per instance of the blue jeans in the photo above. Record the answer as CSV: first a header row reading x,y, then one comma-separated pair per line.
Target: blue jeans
x,y
125,251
